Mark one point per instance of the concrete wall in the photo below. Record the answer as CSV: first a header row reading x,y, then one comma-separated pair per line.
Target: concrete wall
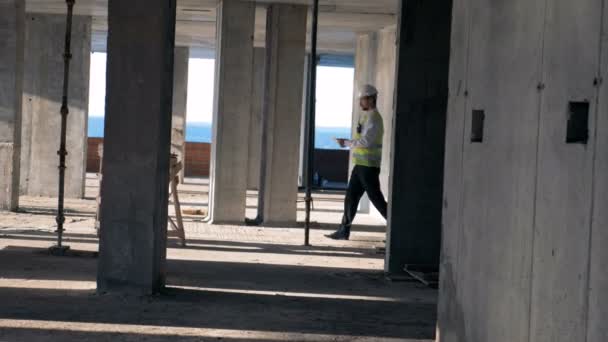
x,y
198,158
598,251
43,84
93,160
564,200
332,165
12,32
523,231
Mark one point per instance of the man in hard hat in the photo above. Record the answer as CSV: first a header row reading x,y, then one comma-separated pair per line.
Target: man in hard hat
x,y
366,150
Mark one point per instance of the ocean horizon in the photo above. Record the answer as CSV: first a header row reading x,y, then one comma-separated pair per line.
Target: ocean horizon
x,y
201,132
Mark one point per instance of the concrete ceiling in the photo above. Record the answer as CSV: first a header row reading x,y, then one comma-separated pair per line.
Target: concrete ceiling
x,y
339,20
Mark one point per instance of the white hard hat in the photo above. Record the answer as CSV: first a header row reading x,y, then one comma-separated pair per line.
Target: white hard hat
x,y
368,90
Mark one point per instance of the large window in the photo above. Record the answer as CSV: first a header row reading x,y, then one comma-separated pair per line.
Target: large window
x,y
334,105
201,75
334,101
97,94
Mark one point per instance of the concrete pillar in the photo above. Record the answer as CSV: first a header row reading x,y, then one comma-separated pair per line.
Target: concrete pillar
x,y
377,53
385,82
180,104
232,111
137,146
43,82
366,53
416,172
285,52
255,125
12,34
305,108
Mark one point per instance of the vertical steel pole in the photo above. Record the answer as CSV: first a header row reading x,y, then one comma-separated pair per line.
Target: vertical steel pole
x,y
67,56
310,119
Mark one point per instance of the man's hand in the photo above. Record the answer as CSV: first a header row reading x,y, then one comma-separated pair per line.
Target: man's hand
x,y
341,142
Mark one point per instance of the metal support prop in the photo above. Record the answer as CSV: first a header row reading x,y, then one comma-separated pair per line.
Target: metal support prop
x,y
67,56
310,120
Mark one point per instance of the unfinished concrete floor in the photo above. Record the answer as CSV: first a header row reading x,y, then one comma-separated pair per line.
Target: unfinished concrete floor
x,y
231,283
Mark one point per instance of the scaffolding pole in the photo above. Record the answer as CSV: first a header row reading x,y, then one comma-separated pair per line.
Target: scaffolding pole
x,y
310,120
67,56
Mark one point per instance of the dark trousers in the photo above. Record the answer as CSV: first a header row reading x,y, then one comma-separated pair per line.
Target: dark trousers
x,y
363,180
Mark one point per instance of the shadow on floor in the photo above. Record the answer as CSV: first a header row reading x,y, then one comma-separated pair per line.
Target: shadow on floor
x,y
218,310
356,228
322,210
211,245
194,192
317,209
241,247
35,263
39,211
37,334
330,227
191,204
30,334
340,301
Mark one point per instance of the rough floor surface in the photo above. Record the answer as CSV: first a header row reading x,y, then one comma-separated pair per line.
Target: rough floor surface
x,y
231,283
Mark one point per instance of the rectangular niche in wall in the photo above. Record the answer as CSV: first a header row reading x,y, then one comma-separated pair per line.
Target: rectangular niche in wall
x,y
578,123
477,125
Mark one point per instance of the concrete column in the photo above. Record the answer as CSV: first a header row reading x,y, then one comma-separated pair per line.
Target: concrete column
x,y
416,172
12,32
285,52
137,146
43,82
378,55
385,82
232,111
366,53
255,125
305,108
180,104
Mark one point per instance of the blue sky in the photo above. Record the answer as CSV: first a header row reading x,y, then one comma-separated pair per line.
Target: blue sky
x,y
334,92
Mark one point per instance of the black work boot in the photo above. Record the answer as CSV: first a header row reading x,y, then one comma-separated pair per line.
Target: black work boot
x,y
343,233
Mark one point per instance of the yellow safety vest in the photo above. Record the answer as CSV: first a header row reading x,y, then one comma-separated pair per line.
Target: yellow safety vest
x,y
370,155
